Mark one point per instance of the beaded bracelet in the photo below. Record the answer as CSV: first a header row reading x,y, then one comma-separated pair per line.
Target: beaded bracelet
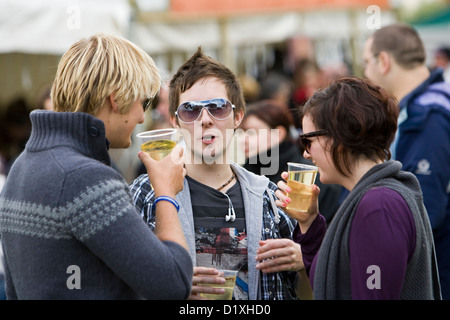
x,y
169,199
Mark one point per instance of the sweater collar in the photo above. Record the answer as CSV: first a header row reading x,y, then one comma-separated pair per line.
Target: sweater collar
x,y
77,130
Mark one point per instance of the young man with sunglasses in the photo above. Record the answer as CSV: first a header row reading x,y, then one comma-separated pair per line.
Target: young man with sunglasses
x,y
228,214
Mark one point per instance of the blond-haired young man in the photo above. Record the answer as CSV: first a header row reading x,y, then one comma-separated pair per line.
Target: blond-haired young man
x,y
68,224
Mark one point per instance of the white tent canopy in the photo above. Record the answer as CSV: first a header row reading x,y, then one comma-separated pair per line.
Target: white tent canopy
x,y
160,36
51,26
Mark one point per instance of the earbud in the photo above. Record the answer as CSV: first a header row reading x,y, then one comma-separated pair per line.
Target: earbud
x,y
231,216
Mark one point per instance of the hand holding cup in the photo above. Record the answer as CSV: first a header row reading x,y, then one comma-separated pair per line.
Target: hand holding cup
x,y
213,284
304,218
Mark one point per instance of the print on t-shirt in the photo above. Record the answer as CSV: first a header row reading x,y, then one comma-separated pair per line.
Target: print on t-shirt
x,y
219,243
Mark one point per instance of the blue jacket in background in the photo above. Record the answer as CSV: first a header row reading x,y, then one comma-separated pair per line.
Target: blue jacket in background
x,y
423,146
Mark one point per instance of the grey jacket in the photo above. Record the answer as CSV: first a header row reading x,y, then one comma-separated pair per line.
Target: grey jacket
x,y
264,220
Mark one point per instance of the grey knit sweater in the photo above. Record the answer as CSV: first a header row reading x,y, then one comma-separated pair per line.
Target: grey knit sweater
x,y
68,225
332,274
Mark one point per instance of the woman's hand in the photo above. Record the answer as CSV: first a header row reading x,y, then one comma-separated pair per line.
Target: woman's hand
x,y
303,218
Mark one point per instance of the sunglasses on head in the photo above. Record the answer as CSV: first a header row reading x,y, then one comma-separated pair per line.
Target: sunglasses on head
x,y
190,111
146,104
306,142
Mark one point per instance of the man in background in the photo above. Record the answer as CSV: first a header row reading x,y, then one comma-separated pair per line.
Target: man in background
x,y
394,58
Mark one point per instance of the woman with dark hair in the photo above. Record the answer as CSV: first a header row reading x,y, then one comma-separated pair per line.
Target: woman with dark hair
x,y
379,244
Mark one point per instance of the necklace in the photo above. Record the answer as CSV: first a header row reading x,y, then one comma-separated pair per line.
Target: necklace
x,y
226,183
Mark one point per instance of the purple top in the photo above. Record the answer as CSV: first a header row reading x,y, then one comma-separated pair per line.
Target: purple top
x,y
382,241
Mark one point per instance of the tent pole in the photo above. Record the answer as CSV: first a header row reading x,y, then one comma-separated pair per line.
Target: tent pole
x,y
225,45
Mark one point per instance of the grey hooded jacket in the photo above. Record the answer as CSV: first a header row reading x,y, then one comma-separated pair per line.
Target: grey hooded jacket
x,y
264,220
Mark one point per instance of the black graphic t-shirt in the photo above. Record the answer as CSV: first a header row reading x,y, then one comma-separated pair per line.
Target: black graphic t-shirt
x,y
219,243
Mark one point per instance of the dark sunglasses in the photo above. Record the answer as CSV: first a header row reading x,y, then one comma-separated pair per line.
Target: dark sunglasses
x,y
146,104
219,109
306,142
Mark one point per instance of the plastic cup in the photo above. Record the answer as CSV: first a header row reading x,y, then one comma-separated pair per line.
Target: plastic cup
x,y
300,180
230,282
158,143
